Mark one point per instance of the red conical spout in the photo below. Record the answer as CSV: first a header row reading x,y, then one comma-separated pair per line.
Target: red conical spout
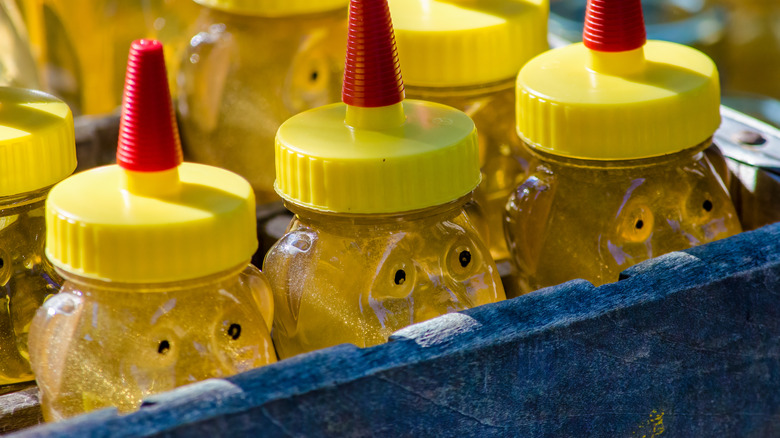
x,y
148,135
372,74
614,25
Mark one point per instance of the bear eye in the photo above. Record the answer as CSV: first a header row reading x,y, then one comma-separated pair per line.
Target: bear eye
x,y
462,260
636,223
465,258
400,277
234,331
164,347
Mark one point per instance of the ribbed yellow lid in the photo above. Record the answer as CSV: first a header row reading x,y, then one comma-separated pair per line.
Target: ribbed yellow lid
x,y
323,163
37,144
274,8
114,224
375,152
652,101
450,43
150,218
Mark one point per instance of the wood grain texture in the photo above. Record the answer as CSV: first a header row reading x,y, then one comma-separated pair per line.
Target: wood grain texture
x,y
20,408
687,344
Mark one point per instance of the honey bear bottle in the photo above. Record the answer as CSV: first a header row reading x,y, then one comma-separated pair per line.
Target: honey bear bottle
x,y
82,45
37,150
155,254
378,184
17,62
618,127
251,65
466,54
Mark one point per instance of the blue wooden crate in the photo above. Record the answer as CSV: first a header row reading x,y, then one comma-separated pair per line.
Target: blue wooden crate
x,y
687,344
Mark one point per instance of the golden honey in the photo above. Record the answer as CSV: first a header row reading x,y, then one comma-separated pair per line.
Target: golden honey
x,y
246,72
359,278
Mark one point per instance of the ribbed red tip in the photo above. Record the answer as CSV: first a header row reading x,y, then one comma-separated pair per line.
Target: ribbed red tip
x,y
614,25
148,135
372,74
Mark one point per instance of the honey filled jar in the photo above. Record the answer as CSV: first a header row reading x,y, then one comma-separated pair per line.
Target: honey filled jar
x,y
158,289
378,184
17,63
466,54
618,127
37,150
83,47
250,66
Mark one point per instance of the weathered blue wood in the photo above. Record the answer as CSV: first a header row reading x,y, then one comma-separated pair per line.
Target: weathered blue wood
x,y
685,345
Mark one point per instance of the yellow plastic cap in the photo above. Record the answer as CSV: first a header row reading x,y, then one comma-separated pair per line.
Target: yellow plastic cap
x,y
370,164
274,8
452,43
37,143
114,224
652,101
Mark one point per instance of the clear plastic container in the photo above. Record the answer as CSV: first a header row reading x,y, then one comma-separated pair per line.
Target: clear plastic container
x,y
753,47
38,150
17,64
503,159
146,339
26,276
466,54
619,126
359,278
593,219
159,291
171,21
379,186
84,45
245,73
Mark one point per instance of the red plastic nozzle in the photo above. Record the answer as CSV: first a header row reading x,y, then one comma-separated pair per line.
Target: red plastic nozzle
x,y
148,135
614,25
372,74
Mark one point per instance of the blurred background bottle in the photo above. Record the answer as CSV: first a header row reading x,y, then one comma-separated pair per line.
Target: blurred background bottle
x,y
80,45
753,58
17,65
250,65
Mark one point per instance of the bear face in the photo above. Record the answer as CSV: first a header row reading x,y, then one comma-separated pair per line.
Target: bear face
x,y
358,283
93,348
570,221
245,76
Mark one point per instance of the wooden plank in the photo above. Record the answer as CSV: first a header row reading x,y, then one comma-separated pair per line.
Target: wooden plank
x,y
20,407
687,344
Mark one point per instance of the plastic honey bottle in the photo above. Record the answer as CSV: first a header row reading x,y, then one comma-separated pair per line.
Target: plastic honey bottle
x,y
83,44
618,127
37,150
380,238
250,66
17,64
171,21
158,290
466,54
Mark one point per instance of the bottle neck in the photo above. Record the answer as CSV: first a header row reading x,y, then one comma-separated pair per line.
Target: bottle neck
x,y
328,220
92,286
463,92
691,153
24,201
227,15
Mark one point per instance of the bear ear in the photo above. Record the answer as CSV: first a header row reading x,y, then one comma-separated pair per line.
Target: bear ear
x,y
52,334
